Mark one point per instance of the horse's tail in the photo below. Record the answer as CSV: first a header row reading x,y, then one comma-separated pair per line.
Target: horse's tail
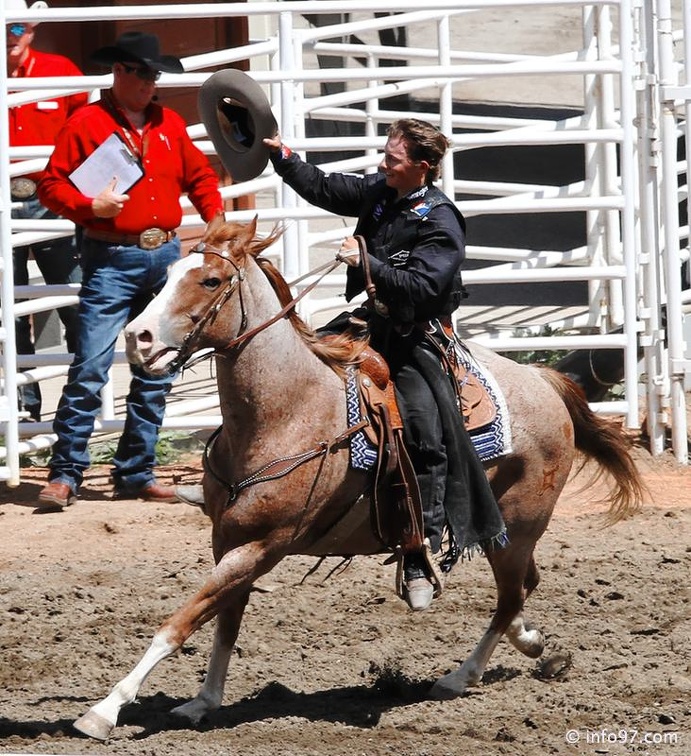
x,y
602,440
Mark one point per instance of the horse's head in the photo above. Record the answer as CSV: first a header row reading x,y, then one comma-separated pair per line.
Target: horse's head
x,y
188,314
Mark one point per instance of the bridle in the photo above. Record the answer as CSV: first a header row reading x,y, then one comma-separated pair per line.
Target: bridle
x,y
282,466
187,348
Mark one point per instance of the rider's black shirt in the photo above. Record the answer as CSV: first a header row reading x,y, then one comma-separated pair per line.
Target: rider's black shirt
x,y
416,245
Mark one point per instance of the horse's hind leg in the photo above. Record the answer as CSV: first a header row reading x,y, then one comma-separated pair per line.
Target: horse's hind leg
x,y
516,576
210,695
526,638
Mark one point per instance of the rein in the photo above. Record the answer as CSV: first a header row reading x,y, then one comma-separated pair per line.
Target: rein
x,y
364,262
594,374
241,337
187,346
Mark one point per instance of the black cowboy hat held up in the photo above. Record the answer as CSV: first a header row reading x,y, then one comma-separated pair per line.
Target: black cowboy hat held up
x,y
138,47
237,116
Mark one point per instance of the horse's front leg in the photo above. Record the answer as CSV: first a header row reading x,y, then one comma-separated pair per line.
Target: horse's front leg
x,y
210,696
228,586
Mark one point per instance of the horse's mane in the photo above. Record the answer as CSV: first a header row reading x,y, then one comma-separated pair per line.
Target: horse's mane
x,y
339,351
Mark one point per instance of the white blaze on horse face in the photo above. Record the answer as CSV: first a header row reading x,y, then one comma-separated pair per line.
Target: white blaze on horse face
x,y
162,305
152,340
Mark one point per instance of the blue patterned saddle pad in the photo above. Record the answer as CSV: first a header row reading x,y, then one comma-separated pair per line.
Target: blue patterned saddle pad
x,y
490,441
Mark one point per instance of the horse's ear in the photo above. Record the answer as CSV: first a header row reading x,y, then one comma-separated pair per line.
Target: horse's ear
x,y
215,224
249,233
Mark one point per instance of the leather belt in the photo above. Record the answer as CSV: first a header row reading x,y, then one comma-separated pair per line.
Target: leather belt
x,y
22,188
151,238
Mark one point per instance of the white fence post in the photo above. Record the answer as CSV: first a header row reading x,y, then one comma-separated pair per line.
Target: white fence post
x,y
672,257
648,153
9,410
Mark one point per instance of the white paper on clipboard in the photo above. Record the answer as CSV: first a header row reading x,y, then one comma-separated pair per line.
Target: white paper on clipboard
x,y
110,160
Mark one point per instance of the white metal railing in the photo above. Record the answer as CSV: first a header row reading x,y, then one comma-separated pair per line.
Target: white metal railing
x,y
621,104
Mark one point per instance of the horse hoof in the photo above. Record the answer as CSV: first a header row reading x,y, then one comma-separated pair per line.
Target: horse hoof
x,y
454,684
191,712
536,645
554,666
441,692
94,725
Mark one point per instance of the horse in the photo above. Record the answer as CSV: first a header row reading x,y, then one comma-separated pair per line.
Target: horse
x,y
278,477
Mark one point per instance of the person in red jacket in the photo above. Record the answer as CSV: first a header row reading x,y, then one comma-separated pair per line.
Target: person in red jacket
x,y
129,241
38,123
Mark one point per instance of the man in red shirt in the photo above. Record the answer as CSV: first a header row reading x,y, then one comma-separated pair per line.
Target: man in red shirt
x,y
129,241
38,123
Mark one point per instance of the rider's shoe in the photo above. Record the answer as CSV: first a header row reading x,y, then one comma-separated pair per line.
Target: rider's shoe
x,y
418,590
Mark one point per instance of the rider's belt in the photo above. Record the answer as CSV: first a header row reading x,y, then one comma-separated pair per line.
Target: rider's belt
x,y
152,238
22,188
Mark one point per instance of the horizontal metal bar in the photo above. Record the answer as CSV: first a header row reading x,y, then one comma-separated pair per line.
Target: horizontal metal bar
x,y
225,10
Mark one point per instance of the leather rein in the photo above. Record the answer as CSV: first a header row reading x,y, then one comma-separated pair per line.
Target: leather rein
x,y
235,283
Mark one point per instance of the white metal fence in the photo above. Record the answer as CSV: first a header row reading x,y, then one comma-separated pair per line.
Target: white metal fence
x,y
624,75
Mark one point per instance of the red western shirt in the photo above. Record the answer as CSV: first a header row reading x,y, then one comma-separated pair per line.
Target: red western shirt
x,y
40,122
171,162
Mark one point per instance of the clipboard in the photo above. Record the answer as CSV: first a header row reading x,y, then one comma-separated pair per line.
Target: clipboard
x,y
112,159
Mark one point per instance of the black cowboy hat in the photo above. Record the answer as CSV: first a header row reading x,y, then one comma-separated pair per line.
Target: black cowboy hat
x,y
137,47
237,116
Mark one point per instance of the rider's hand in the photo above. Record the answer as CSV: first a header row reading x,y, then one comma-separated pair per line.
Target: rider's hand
x,y
108,204
273,143
349,253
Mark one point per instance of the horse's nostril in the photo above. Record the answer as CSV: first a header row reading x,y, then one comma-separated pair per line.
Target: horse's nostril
x,y
145,337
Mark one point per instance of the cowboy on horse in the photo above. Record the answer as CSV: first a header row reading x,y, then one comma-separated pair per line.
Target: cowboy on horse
x,y
410,265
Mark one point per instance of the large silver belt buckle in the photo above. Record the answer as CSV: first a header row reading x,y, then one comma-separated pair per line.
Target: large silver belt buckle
x,y
152,238
22,188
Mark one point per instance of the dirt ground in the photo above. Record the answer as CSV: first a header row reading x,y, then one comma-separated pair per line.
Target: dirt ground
x,y
337,664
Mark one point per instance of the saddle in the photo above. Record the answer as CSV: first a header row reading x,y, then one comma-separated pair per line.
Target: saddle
x,y
396,511
396,507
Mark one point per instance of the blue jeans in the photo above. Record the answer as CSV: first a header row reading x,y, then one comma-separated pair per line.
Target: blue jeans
x,y
58,261
118,283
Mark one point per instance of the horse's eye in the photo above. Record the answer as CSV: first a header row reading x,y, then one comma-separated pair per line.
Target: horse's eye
x,y
211,283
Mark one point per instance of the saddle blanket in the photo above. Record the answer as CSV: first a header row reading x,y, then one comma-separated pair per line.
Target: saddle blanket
x,y
490,441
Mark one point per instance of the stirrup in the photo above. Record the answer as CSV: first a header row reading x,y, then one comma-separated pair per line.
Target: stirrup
x,y
435,575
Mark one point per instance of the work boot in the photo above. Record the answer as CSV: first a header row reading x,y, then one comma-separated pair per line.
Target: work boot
x,y
151,491
56,495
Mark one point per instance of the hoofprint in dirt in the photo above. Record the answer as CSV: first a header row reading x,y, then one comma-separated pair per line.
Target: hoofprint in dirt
x,y
335,663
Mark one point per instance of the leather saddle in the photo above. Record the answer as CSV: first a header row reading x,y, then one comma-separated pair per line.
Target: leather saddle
x,y
396,508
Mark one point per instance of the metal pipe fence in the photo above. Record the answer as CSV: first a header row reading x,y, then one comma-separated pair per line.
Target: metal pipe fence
x,y
634,111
